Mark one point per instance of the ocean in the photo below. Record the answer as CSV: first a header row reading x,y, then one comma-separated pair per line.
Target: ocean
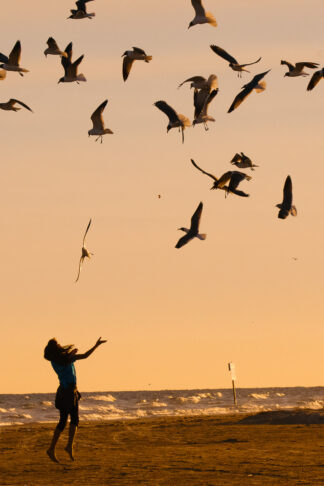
x,y
109,405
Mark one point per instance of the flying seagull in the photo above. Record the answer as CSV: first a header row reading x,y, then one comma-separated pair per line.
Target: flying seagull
x,y
81,12
232,176
232,61
243,161
85,253
201,94
194,228
201,17
54,49
175,119
297,69
199,82
10,105
136,54
317,76
98,123
201,115
286,206
71,69
247,89
11,63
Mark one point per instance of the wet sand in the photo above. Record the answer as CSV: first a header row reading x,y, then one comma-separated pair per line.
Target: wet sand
x,y
272,448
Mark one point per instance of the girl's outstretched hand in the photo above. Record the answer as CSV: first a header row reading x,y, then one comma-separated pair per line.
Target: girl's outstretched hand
x,y
100,341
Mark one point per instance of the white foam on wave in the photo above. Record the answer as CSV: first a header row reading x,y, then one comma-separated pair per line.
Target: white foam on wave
x,y
260,396
280,394
47,404
314,404
3,410
102,398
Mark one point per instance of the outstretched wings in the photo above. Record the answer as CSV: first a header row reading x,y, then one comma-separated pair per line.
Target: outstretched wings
x,y
15,54
199,9
222,53
247,89
194,79
203,171
86,231
12,101
168,110
127,66
96,116
315,79
52,43
287,194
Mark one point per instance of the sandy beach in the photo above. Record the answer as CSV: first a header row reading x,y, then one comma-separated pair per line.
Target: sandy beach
x,y
269,448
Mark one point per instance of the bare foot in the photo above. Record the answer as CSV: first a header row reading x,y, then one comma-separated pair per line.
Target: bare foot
x,y
51,455
69,450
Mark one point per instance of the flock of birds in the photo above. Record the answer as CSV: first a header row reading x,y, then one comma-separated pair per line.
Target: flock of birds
x,y
205,90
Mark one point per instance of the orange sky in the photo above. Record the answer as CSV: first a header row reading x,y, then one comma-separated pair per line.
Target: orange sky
x,y
173,318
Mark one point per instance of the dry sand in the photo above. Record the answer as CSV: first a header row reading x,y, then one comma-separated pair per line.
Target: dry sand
x,y
272,448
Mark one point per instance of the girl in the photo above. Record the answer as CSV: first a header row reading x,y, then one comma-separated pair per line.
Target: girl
x,y
67,396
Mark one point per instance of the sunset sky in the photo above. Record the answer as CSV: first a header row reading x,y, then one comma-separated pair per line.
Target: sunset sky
x,y
173,318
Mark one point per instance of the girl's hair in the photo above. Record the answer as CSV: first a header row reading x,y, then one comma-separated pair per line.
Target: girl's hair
x,y
57,353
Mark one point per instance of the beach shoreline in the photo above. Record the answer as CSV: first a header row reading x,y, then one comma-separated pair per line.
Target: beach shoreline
x,y
269,448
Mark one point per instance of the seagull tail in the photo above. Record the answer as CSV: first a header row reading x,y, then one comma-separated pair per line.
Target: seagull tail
x,y
293,211
202,236
81,77
148,58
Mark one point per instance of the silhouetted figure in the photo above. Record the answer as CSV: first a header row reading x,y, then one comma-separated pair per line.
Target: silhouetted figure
x,y
62,359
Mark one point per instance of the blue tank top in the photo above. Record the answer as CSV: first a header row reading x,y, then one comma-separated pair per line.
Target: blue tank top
x,y
66,374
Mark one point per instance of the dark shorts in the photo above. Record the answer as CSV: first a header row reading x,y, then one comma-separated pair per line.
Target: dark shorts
x,y
66,401
67,398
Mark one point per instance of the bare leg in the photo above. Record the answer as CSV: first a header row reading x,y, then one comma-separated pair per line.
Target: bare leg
x,y
51,450
69,447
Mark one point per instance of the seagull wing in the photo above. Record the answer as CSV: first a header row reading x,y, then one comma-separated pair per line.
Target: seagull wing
x,y
67,60
224,178
199,9
96,116
81,4
287,194
86,231
240,98
240,193
204,172
290,66
208,100
80,265
13,101
200,97
255,80
250,63
15,54
311,65
183,240
140,51
52,43
127,65
222,53
168,110
317,76
194,79
236,178
236,158
3,58
72,69
195,219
